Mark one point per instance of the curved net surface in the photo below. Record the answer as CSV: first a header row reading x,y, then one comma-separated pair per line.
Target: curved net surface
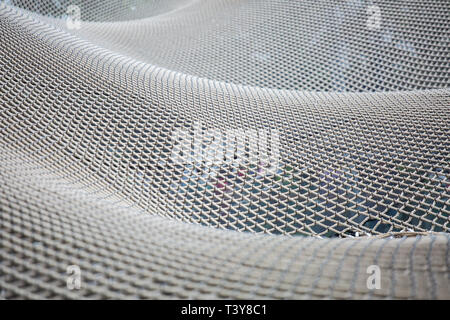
x,y
315,134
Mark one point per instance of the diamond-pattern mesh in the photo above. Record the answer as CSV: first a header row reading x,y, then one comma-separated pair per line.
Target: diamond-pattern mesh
x,y
287,118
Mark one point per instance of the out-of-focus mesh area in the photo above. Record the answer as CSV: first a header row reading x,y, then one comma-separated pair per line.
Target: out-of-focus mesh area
x,y
336,130
302,45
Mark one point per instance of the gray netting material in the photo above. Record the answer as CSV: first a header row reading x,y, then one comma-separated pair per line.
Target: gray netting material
x,y
87,137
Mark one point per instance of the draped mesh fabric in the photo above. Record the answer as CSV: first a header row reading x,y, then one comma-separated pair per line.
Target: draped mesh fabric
x,y
224,149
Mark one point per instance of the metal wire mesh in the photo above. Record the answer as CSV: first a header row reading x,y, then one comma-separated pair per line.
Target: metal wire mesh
x,y
276,117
